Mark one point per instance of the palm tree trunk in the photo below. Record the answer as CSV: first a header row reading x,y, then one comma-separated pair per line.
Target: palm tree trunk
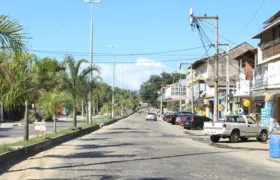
x,y
54,124
1,112
97,109
74,116
82,108
26,122
87,115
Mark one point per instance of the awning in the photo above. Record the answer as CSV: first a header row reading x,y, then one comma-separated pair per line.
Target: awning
x,y
267,28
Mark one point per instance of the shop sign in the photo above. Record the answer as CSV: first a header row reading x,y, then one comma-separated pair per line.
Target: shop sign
x,y
243,88
260,76
264,117
273,73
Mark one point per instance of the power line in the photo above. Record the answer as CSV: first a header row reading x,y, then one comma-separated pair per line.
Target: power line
x,y
253,17
110,54
146,62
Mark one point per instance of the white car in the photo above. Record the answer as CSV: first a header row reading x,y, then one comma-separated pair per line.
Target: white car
x,y
151,116
235,127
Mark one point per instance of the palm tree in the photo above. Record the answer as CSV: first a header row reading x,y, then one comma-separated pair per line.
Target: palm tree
x,y
11,35
73,80
21,90
88,89
50,102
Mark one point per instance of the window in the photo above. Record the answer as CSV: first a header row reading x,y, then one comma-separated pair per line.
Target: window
x,y
232,119
243,63
241,119
251,120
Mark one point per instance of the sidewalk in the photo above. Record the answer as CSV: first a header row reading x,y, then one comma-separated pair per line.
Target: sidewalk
x,y
254,148
9,124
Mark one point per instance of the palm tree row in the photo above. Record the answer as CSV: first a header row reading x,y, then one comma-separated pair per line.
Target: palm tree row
x,y
26,79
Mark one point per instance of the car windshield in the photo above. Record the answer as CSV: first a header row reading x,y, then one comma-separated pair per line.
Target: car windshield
x,y
151,113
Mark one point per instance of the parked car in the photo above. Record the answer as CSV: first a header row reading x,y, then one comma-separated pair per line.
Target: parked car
x,y
151,116
235,127
171,118
180,117
195,121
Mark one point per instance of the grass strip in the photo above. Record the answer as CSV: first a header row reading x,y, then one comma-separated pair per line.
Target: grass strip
x,y
9,147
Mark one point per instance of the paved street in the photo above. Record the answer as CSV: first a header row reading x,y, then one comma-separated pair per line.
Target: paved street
x,y
7,134
136,149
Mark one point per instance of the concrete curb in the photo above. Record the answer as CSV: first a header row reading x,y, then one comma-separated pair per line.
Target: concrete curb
x,y
10,158
276,160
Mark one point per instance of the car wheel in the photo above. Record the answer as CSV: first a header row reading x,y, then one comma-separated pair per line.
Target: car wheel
x,y
188,128
263,136
244,139
215,138
234,137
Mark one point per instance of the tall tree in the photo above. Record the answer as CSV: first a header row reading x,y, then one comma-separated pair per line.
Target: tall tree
x,y
72,80
11,34
50,102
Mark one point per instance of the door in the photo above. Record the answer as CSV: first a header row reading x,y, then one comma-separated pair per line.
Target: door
x,y
242,125
252,127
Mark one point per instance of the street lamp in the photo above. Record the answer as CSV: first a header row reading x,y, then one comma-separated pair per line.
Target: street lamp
x,y
91,53
113,89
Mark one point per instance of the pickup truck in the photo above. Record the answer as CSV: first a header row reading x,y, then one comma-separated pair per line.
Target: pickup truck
x,y
235,127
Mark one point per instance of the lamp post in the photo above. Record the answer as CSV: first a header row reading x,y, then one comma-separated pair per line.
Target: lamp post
x,y
113,89
91,52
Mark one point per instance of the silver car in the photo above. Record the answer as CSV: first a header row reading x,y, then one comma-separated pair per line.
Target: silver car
x,y
151,116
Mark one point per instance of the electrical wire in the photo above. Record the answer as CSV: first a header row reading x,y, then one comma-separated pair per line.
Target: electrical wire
x,y
110,54
253,17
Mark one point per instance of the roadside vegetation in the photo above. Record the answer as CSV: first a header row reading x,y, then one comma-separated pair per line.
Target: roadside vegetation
x,y
36,88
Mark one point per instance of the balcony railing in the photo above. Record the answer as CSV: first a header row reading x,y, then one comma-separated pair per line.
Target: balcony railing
x,y
270,49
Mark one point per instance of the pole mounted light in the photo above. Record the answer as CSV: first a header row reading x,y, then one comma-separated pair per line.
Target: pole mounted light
x,y
113,89
91,53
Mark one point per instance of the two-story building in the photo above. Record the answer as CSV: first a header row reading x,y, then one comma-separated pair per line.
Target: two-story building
x,y
173,94
243,91
266,77
203,77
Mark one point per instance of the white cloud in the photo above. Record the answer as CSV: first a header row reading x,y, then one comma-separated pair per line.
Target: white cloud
x,y
133,74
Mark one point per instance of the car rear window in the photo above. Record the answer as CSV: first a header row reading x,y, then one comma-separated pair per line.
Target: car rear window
x,y
151,113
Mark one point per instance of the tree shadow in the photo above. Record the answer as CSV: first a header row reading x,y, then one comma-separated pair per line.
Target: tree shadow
x,y
122,161
94,146
93,139
123,132
88,154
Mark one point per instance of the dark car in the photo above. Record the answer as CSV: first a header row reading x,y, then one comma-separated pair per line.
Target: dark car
x,y
195,121
171,118
180,117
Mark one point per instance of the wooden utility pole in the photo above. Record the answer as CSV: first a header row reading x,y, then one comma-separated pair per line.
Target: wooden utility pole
x,y
216,74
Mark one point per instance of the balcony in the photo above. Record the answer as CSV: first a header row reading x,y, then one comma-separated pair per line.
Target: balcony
x,y
270,50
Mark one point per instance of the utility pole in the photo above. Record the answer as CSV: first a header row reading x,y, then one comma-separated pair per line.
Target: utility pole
x,y
180,89
91,53
216,74
192,89
227,79
113,89
161,99
122,90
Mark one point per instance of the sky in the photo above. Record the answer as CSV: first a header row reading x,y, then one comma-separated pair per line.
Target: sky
x,y
140,28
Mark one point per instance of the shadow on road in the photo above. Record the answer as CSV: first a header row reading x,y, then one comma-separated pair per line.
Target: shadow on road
x,y
116,161
122,132
94,146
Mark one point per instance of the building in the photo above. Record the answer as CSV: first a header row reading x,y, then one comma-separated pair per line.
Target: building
x,y
172,95
266,77
202,80
243,92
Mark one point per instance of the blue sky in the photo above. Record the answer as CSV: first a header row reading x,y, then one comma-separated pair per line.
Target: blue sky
x,y
136,27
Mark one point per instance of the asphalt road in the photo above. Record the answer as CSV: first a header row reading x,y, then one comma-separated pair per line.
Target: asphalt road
x,y
18,131
136,149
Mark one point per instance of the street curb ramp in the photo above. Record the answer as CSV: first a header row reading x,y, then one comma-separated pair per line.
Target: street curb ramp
x,y
11,158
